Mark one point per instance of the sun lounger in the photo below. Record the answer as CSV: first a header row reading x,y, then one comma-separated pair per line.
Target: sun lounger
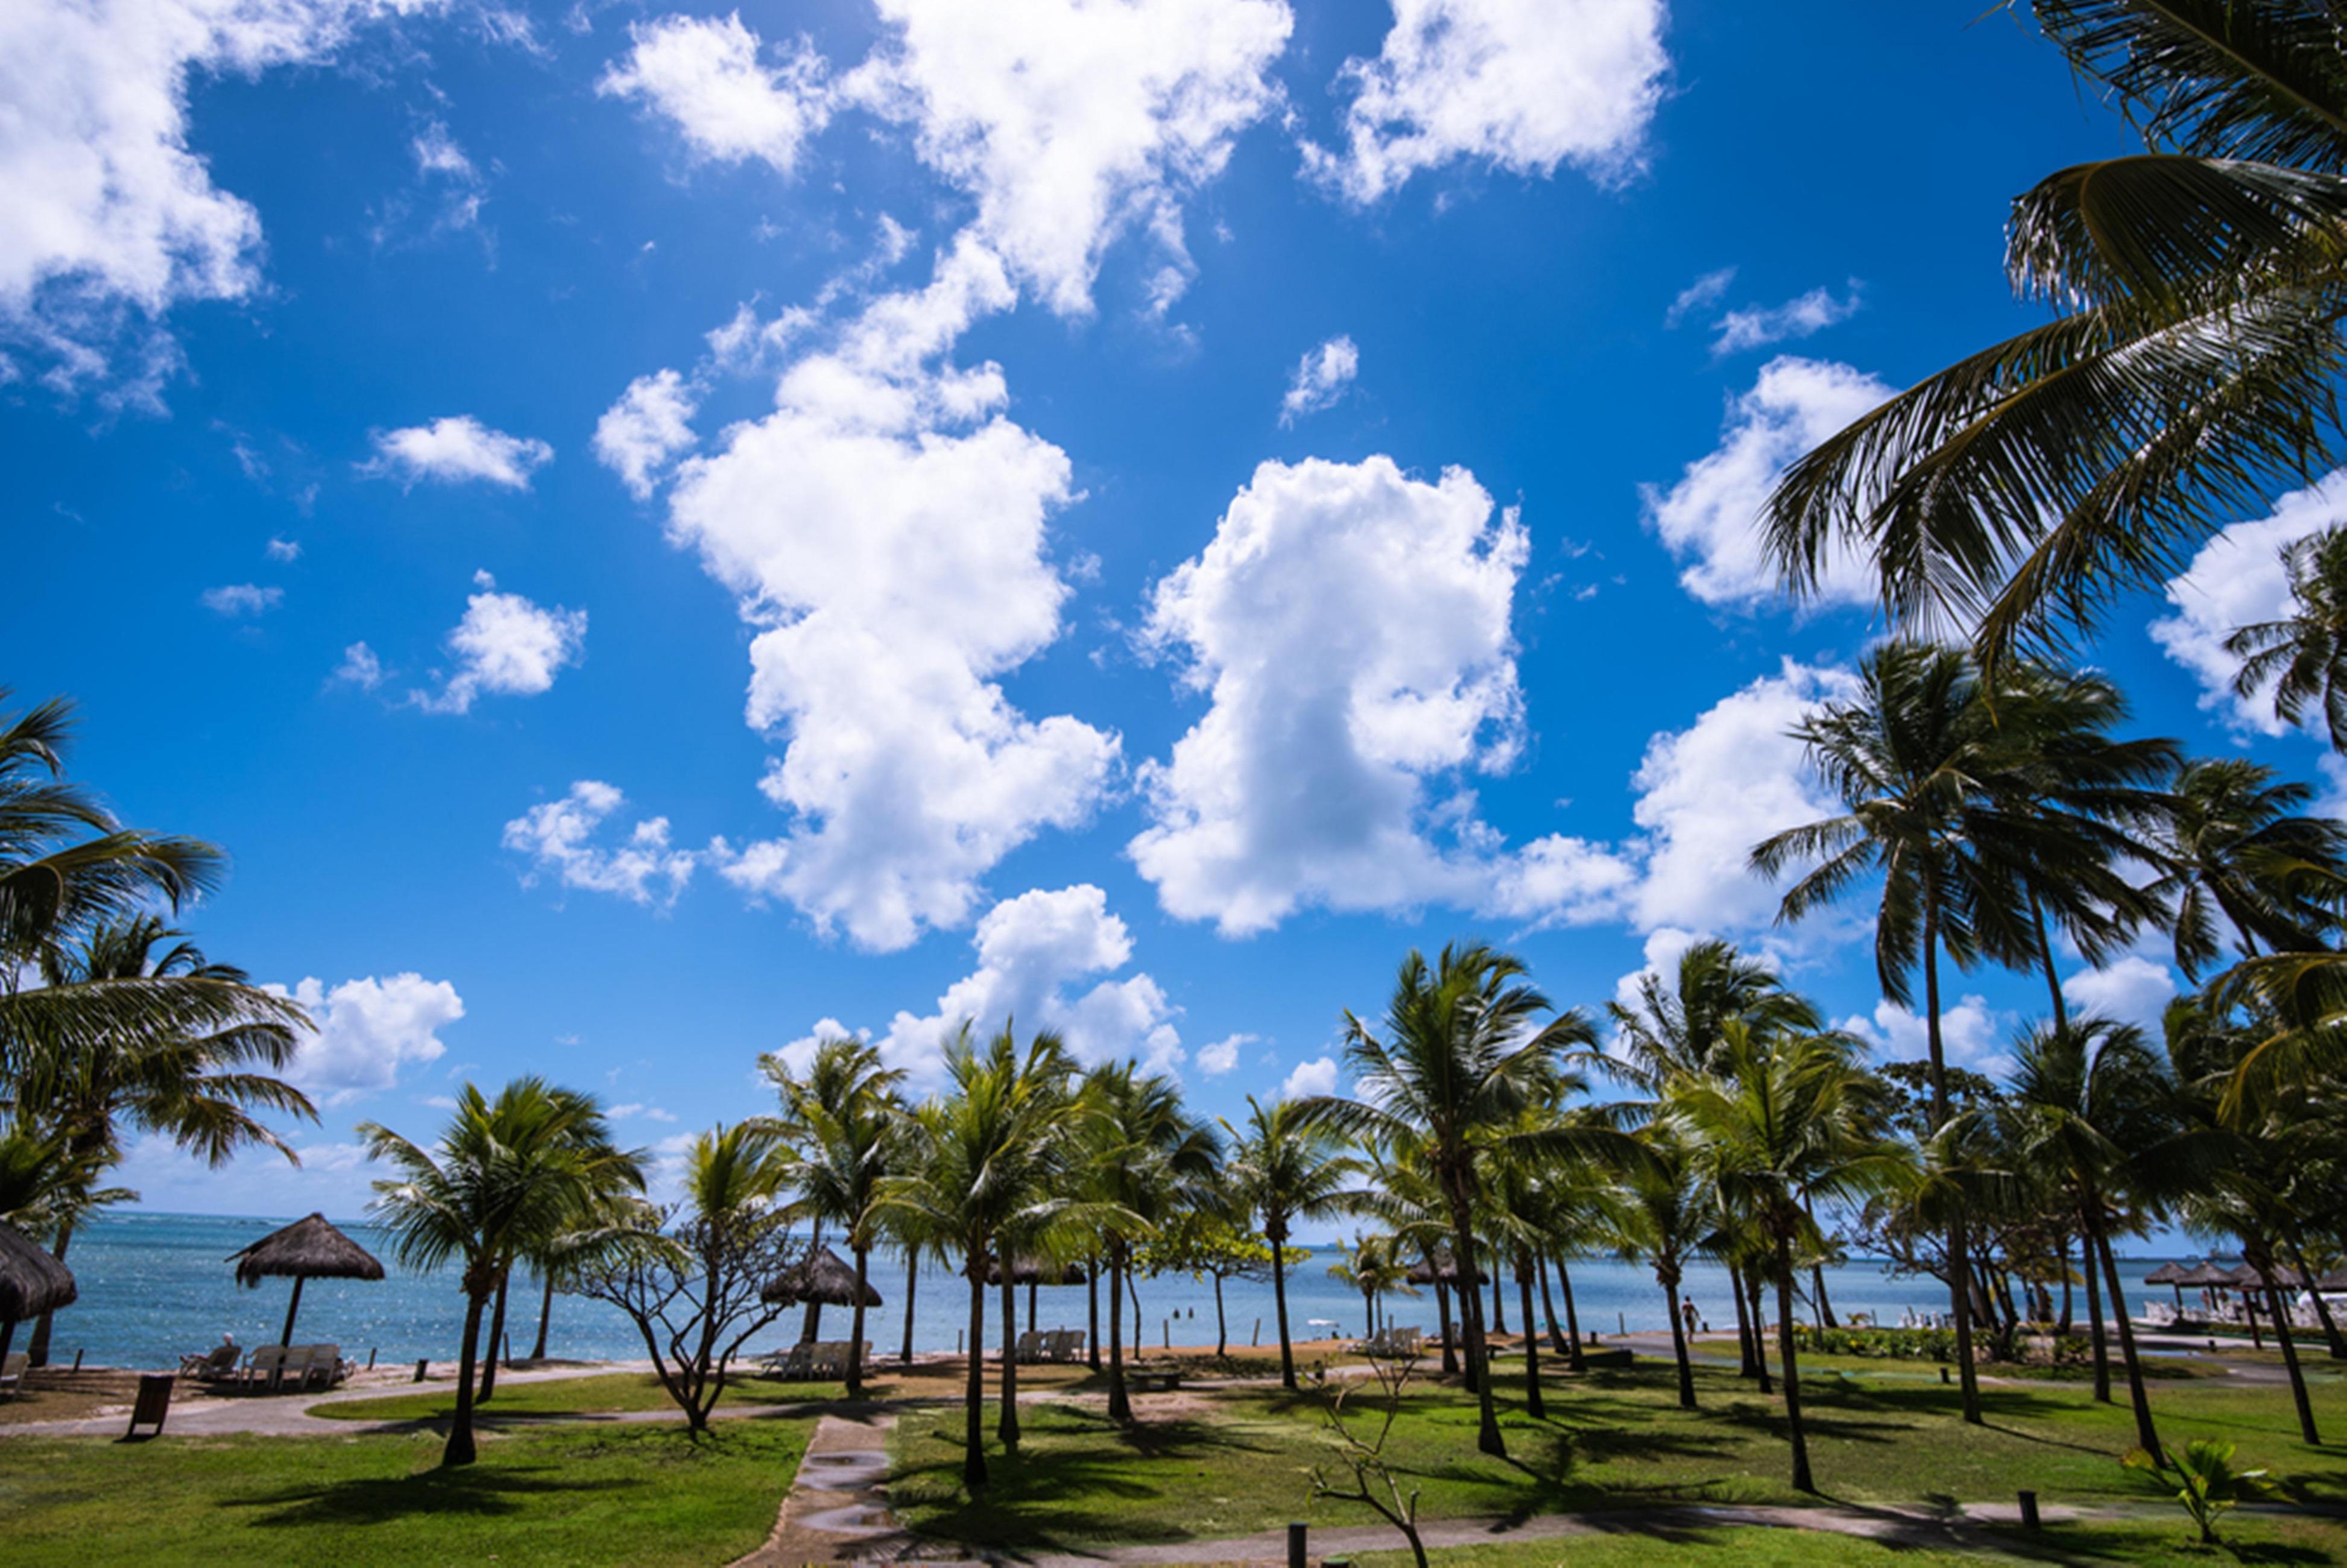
x,y
211,1366
264,1367
788,1365
12,1371
1030,1348
1066,1344
326,1366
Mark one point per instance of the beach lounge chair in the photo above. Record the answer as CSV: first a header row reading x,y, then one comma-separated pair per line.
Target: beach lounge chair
x,y
211,1366
1030,1346
263,1366
12,1371
830,1361
788,1365
1066,1344
326,1366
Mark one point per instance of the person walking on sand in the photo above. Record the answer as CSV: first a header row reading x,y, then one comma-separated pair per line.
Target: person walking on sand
x,y
1686,1313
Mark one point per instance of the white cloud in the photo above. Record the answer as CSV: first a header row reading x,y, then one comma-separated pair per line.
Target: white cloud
x,y
1317,1076
1072,124
1321,378
238,600
633,1112
651,425
705,75
2235,580
558,837
1972,1034
111,218
1350,627
1520,85
334,1179
506,645
2133,990
1710,520
886,526
1219,1058
1757,326
1709,793
454,450
437,152
1701,295
368,1030
359,668
1034,952
284,550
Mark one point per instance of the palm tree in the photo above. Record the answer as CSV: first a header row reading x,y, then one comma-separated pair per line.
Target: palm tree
x,y
1662,1211
1785,1121
1145,1158
1285,1167
1459,1056
843,1125
2303,655
502,1174
2190,370
2236,850
996,1164
2086,1104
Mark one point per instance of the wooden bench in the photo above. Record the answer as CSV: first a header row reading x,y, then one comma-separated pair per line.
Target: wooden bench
x,y
1152,1382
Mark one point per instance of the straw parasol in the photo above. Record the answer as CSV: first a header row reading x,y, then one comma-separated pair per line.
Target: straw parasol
x,y
2283,1277
820,1277
1447,1273
306,1249
2172,1275
1036,1271
31,1282
2208,1275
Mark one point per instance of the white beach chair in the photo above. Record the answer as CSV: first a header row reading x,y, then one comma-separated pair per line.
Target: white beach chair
x,y
325,1367
263,1366
1030,1348
12,1371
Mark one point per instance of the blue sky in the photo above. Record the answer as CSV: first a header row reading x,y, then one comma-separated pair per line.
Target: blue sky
x,y
650,535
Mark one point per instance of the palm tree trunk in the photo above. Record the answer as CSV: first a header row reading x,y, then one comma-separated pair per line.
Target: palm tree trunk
x,y
1499,1296
545,1316
1749,1362
2062,1255
1573,1358
1007,1424
1462,1228
2045,951
1760,1330
1120,1407
2096,1335
37,1349
811,1320
1222,1330
2290,1355
1533,1406
1817,1273
1280,1312
1967,1373
2146,1438
912,1278
1091,1293
1548,1305
1679,1344
973,1458
856,1327
496,1335
459,1449
2321,1307
1442,1318
1802,1479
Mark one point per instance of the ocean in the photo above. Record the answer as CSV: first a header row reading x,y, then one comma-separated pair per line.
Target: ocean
x,y
155,1285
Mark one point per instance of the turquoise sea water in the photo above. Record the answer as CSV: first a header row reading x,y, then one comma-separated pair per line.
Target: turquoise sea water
x,y
154,1286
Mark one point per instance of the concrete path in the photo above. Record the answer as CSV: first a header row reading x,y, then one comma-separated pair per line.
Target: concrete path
x,y
837,1508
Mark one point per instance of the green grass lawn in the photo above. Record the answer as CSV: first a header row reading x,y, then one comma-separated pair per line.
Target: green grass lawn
x,y
1239,1462
570,1396
625,1494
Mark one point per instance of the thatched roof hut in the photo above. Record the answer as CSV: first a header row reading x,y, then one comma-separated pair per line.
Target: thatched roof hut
x,y
822,1277
1036,1271
31,1281
307,1249
1445,1273
2208,1275
2167,1274
2283,1277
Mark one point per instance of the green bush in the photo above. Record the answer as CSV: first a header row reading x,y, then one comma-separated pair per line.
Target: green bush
x,y
1887,1344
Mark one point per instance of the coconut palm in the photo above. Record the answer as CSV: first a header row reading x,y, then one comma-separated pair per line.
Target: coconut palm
x,y
1285,1167
1459,1056
1674,1027
2303,656
2239,858
1663,1213
1786,1120
1145,1158
2189,370
502,1174
997,1149
842,1125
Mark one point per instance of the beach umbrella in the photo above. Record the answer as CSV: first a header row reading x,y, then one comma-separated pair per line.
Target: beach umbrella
x,y
306,1249
2285,1278
2172,1275
31,1282
1031,1271
2208,1275
820,1277
1446,1274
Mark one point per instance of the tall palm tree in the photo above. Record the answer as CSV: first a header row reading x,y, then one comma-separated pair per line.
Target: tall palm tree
x,y
1787,1121
501,1174
1458,1057
842,1125
2303,656
997,1148
1664,1212
1144,1157
2239,858
1285,1167
2189,370
1675,1027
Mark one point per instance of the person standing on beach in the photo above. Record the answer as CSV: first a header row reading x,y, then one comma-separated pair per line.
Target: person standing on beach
x,y
1688,1314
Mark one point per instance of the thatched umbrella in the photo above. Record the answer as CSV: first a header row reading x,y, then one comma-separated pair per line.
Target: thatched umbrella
x,y
2247,1279
1447,1273
306,1249
1032,1272
31,1282
2208,1275
2172,1275
820,1277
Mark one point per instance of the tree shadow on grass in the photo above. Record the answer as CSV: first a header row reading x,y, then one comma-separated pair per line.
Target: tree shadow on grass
x,y
474,1490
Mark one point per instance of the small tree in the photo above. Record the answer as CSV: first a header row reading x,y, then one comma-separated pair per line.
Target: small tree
x,y
1202,1245
1373,1479
2207,1484
690,1276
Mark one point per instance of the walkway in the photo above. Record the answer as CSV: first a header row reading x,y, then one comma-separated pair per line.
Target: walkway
x,y
837,1510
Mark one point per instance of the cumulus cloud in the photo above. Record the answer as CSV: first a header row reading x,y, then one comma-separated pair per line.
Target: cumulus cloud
x,y
648,429
1072,124
359,668
282,551
1520,85
2133,990
1317,1076
455,450
1700,295
558,835
1034,953
506,646
1709,521
1321,378
367,1030
705,73
2236,579
334,1179
1757,326
239,600
1972,1034
1223,1055
886,526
